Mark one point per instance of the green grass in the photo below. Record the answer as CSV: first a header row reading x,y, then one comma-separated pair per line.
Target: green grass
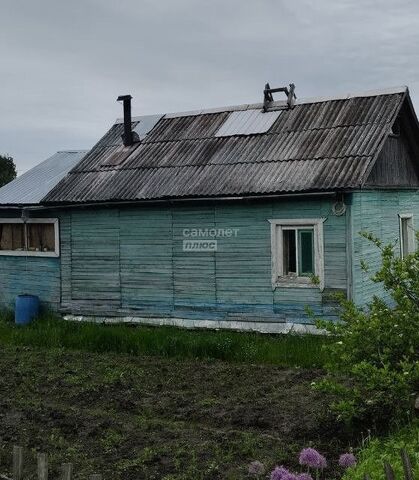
x,y
377,451
51,332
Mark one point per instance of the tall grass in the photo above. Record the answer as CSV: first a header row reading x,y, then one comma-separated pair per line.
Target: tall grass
x,y
387,449
51,332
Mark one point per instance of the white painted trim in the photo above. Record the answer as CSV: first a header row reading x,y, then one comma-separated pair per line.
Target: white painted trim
x,y
28,253
261,327
278,279
411,237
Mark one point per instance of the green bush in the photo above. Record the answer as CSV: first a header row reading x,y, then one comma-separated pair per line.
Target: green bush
x,y
374,361
377,451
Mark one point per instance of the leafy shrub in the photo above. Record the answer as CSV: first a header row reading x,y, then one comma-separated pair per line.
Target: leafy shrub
x,y
374,361
377,451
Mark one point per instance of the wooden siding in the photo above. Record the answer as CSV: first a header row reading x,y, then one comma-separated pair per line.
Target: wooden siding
x,y
396,165
31,275
95,268
132,260
376,212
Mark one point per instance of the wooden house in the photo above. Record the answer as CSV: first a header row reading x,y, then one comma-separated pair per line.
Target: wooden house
x,y
237,217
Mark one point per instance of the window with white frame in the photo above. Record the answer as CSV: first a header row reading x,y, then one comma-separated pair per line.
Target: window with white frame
x,y
297,252
407,234
32,237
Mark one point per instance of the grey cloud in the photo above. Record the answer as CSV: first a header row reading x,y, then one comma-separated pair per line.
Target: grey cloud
x,y
64,63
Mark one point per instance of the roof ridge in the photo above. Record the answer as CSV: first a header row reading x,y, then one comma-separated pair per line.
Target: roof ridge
x,y
73,151
276,104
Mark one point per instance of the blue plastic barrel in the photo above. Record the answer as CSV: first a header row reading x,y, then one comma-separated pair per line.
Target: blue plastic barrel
x,y
26,309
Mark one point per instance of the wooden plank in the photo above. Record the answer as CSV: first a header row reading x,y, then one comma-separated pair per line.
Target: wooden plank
x,y
389,472
17,463
42,466
407,465
67,471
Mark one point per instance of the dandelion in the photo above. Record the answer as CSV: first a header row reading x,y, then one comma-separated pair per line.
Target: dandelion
x,y
256,468
312,458
281,473
347,460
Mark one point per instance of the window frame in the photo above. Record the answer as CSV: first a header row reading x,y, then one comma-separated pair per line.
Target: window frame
x,y
277,252
30,253
411,239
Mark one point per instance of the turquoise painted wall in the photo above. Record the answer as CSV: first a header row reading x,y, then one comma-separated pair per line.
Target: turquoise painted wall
x,y
376,212
32,275
117,261
131,260
36,276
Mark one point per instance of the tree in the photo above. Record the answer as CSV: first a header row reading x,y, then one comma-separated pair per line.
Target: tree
x,y
7,169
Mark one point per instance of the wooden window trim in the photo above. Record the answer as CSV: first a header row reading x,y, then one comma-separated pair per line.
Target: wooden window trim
x,y
411,239
28,253
278,278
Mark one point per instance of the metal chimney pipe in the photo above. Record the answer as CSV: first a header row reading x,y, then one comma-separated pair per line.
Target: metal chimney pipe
x,y
127,137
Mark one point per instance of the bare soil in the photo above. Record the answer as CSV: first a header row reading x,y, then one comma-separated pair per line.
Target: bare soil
x,y
150,418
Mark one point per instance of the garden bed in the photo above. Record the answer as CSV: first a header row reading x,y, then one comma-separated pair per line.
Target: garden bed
x,y
134,417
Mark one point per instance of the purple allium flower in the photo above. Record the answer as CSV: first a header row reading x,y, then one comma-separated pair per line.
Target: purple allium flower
x,y
347,460
304,476
289,476
312,458
279,473
256,468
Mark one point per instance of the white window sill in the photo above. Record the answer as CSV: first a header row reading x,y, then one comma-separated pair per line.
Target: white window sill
x,y
24,253
296,282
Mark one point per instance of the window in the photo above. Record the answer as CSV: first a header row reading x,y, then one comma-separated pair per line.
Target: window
x,y
34,237
407,234
297,252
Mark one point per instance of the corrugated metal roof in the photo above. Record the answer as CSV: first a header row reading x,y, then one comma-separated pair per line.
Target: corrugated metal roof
x,y
324,145
247,122
33,185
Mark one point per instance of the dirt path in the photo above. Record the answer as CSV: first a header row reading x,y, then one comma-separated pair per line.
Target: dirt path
x,y
151,418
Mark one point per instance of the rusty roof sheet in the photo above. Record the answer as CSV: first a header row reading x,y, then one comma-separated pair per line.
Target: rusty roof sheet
x,y
318,146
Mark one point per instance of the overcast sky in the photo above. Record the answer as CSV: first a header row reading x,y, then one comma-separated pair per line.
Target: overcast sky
x,y
63,63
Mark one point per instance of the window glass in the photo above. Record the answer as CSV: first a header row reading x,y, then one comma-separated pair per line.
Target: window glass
x,y
41,237
12,236
407,236
290,258
306,252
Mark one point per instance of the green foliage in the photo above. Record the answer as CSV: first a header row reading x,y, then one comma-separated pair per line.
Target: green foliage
x,y
7,169
52,332
374,358
377,451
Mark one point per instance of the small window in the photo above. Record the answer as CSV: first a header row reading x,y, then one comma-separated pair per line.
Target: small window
x,y
407,234
12,237
34,237
297,252
41,237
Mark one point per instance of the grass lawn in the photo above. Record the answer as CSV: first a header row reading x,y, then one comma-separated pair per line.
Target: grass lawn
x,y
51,332
177,413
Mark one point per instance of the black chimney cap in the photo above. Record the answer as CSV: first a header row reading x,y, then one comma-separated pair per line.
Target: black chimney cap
x,y
122,98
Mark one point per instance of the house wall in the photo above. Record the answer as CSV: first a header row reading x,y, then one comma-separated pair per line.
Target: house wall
x,y
130,261
376,212
29,275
